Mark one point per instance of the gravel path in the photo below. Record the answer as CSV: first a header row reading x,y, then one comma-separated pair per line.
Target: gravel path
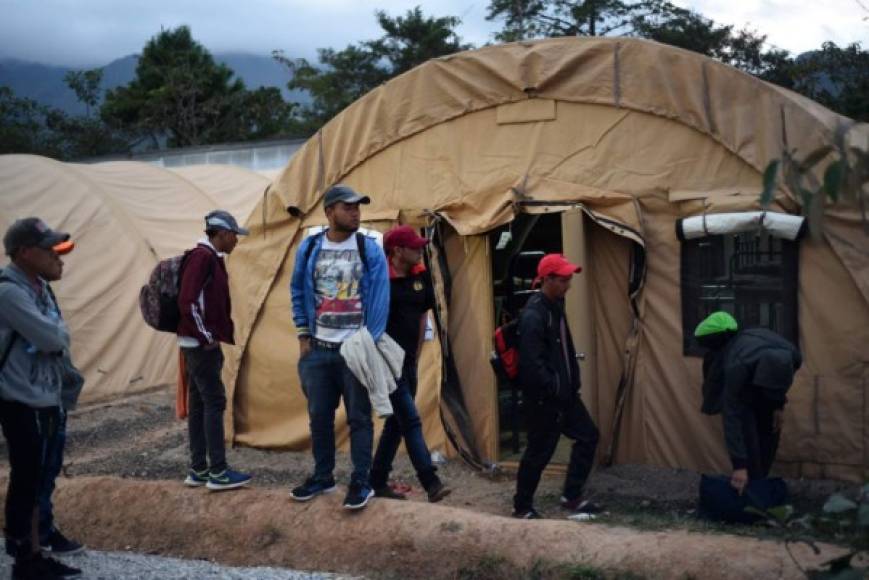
x,y
116,565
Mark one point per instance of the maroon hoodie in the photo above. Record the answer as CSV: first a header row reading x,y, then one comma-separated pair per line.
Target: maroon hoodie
x,y
204,297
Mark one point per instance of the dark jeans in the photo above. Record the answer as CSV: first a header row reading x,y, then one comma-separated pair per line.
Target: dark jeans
x,y
546,422
51,465
206,402
761,439
325,378
404,422
25,430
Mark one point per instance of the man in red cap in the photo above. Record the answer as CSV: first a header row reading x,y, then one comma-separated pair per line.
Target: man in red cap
x,y
411,297
549,376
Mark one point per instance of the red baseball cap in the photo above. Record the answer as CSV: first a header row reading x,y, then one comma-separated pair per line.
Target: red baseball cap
x,y
555,265
403,237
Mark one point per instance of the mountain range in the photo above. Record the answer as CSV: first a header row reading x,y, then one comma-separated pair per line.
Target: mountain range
x,y
44,83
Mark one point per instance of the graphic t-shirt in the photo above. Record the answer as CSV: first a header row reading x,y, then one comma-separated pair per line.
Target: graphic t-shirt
x,y
337,277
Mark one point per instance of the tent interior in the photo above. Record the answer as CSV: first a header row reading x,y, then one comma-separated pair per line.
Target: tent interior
x,y
124,217
595,148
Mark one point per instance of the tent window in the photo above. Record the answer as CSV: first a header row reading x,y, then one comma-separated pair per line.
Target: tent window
x,y
751,275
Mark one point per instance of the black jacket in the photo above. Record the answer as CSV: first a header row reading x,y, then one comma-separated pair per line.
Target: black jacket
x,y
544,374
756,366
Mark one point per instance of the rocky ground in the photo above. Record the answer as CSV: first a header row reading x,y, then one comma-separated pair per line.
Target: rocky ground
x,y
140,438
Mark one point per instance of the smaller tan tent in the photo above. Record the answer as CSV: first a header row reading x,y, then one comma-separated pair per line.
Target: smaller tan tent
x,y
608,142
123,217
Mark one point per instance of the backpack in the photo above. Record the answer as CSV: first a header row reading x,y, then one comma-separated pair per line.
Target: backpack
x,y
505,356
158,299
360,244
720,502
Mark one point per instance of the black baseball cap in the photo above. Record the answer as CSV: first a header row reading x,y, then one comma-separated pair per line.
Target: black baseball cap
x,y
343,193
31,232
222,220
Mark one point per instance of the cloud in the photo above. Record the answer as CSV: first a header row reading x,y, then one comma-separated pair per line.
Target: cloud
x,y
794,25
94,32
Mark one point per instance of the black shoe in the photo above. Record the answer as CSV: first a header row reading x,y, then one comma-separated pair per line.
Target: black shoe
x,y
357,496
438,491
59,544
311,489
580,506
38,567
387,492
527,514
58,568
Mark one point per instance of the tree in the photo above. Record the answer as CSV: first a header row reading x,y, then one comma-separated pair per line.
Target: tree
x,y
23,126
179,92
542,18
743,49
838,78
413,39
86,86
263,114
343,77
346,75
657,20
88,135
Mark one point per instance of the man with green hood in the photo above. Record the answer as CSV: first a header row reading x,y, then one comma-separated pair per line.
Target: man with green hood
x,y
746,377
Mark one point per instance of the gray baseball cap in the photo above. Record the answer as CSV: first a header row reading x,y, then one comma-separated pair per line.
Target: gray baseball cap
x,y
343,193
222,220
31,232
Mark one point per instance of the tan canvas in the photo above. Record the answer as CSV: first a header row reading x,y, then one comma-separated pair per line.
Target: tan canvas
x,y
636,133
123,217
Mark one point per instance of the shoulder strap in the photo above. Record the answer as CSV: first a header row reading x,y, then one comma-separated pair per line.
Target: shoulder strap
x,y
360,243
184,257
310,247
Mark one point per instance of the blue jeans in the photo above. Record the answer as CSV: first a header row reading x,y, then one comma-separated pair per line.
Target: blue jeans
x,y
52,462
325,379
404,422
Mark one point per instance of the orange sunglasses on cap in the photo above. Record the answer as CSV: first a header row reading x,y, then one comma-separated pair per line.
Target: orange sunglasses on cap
x,y
64,247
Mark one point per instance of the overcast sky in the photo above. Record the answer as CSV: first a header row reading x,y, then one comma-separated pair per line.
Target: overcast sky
x,y
85,33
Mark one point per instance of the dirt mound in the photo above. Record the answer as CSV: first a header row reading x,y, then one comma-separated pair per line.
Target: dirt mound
x,y
406,539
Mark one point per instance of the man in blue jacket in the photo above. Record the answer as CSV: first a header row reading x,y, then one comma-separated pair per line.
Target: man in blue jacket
x,y
340,284
33,343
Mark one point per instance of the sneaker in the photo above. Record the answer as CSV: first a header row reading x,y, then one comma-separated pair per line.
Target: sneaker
x,y
196,478
59,544
357,496
527,514
438,491
41,568
227,479
312,488
580,506
58,568
387,492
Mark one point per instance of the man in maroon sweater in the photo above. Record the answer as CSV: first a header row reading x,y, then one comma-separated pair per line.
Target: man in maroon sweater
x,y
206,321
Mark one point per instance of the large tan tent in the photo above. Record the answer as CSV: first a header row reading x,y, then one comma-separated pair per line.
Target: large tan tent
x,y
124,217
607,143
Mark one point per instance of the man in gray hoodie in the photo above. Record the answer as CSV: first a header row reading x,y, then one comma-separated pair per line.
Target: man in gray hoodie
x,y
33,343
